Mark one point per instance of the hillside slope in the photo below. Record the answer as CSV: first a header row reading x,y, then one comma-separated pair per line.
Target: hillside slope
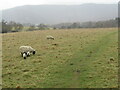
x,y
52,14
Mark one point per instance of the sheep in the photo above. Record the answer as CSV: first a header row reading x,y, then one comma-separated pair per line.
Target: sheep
x,y
27,49
28,53
24,55
50,37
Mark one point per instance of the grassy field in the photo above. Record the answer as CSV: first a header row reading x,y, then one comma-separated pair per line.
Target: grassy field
x,y
78,58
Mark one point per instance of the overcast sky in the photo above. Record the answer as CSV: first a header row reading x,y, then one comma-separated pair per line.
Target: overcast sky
x,y
5,4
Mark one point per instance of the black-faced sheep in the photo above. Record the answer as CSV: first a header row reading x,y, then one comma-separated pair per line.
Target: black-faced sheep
x,y
50,37
27,50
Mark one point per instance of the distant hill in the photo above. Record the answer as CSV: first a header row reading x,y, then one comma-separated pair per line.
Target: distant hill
x,y
53,14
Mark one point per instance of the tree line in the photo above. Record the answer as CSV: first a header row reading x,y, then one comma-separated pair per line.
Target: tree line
x,y
16,27
11,26
90,24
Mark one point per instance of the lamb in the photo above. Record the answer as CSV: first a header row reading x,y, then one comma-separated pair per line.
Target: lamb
x,y
27,50
50,37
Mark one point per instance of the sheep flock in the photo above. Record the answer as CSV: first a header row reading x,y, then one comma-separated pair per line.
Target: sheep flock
x,y
26,51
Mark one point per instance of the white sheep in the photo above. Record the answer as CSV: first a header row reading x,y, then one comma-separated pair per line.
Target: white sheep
x,y
27,50
50,37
